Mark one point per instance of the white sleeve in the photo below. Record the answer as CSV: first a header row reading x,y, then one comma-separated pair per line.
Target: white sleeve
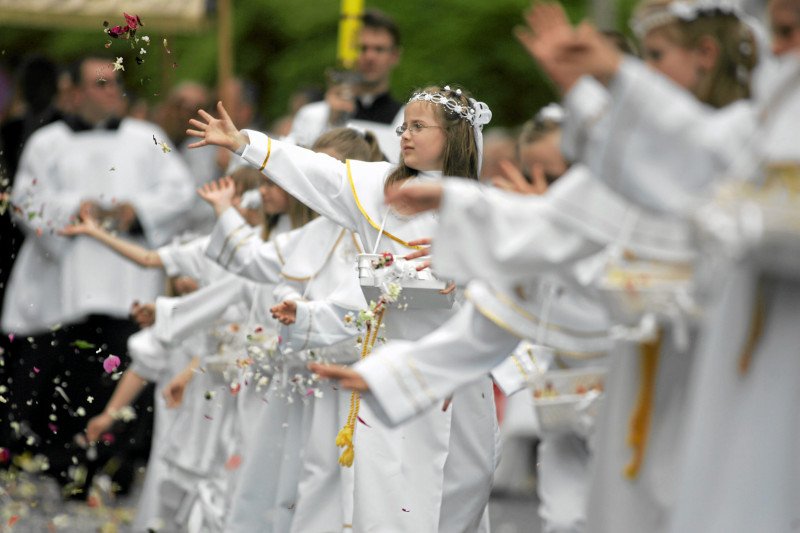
x,y
317,180
160,208
485,233
407,377
149,357
238,248
187,259
177,318
41,205
662,148
318,324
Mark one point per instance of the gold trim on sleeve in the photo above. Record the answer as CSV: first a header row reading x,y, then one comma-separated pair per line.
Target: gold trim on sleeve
x,y
269,151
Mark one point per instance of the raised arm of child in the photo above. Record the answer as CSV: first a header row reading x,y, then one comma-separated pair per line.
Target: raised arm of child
x,y
138,254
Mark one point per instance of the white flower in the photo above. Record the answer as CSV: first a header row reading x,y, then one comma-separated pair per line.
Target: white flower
x,y
142,51
118,64
146,39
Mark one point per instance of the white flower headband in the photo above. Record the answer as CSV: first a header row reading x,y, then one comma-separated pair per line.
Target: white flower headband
x,y
684,11
476,113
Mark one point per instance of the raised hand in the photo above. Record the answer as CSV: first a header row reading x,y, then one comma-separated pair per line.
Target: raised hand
x,y
546,37
513,180
219,194
285,312
86,226
216,131
346,376
416,198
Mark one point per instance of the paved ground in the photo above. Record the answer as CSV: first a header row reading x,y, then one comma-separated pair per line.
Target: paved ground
x,y
32,504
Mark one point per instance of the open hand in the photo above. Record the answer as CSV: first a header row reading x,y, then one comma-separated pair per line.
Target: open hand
x,y
285,312
216,131
219,194
346,376
422,252
513,180
86,226
547,35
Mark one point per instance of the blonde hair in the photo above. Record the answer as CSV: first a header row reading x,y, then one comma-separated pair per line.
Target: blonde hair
x,y
350,144
245,178
460,150
729,79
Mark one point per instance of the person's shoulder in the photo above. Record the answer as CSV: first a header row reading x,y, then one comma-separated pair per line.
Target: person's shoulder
x,y
313,109
138,125
50,133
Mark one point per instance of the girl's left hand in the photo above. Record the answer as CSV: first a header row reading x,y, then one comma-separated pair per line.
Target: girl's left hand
x,y
285,312
346,376
422,252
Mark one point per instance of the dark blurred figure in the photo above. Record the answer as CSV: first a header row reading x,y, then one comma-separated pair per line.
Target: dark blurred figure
x,y
36,90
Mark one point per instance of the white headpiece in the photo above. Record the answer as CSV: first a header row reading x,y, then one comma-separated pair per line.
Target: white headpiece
x,y
551,113
685,11
476,113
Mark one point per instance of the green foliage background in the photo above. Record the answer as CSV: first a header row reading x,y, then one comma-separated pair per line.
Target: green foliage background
x,y
285,45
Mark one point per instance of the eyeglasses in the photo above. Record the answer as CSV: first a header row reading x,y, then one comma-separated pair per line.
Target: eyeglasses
x,y
414,128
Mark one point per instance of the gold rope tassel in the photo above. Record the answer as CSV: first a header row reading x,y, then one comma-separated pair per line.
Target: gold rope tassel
x,y
756,330
642,414
345,437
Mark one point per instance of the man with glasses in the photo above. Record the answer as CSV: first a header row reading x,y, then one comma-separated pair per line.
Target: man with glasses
x,y
68,300
368,99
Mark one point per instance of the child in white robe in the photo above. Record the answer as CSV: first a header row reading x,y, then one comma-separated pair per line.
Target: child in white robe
x,y
320,258
435,473
741,431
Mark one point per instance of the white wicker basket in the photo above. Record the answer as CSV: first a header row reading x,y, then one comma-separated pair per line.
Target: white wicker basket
x,y
421,290
568,400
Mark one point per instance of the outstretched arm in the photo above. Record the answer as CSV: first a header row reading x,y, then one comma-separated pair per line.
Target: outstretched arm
x,y
405,378
129,387
317,180
138,254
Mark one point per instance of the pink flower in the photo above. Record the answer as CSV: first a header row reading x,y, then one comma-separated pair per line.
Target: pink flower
x,y
111,363
133,21
5,455
117,31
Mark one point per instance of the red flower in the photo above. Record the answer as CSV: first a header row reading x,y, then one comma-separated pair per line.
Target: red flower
x,y
117,31
133,21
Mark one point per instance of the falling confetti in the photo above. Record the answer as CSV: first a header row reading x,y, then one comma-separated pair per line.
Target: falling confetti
x,y
82,345
111,363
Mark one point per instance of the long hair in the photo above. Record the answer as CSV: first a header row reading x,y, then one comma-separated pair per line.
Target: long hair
x,y
729,79
460,150
350,144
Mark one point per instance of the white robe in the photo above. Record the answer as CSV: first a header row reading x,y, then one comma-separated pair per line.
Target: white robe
x,y
60,279
741,429
577,217
434,472
151,360
280,480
